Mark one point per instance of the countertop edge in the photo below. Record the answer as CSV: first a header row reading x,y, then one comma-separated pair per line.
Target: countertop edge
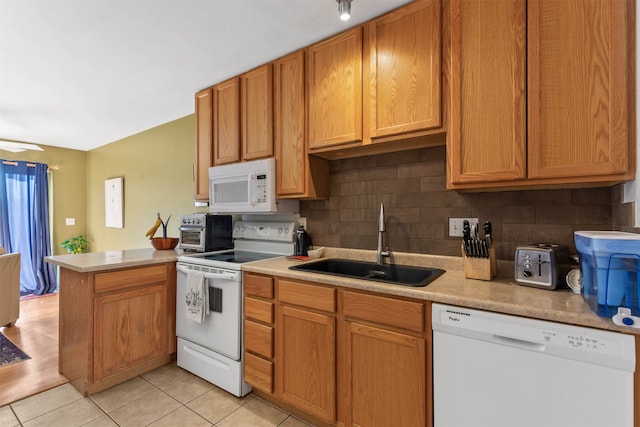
x,y
113,260
499,295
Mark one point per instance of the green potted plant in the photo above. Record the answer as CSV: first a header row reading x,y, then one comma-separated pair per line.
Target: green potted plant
x,y
75,245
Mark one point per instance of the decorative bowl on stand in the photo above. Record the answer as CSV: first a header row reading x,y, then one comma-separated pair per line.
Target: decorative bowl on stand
x,y
161,243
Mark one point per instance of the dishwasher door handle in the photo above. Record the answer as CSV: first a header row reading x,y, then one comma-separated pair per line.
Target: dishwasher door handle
x,y
515,342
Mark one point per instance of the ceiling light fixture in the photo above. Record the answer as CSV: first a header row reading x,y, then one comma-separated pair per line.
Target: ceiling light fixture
x,y
17,147
344,9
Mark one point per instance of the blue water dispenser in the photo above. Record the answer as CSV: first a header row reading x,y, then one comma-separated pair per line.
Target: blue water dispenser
x,y
610,266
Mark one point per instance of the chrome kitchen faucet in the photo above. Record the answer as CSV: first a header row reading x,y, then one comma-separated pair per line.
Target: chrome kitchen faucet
x,y
380,255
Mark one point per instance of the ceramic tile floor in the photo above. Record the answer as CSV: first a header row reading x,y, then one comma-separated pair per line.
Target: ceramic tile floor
x,y
167,396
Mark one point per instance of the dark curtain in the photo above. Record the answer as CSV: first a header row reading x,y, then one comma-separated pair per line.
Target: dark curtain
x,y
24,223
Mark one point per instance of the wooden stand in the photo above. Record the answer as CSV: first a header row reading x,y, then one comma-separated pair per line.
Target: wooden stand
x,y
480,268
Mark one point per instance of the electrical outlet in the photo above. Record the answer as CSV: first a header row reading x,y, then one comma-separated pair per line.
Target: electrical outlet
x,y
70,221
455,225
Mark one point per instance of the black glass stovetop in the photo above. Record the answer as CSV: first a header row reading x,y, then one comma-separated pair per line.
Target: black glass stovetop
x,y
239,257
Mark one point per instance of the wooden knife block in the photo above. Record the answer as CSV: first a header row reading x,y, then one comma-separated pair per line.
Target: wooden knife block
x,y
480,268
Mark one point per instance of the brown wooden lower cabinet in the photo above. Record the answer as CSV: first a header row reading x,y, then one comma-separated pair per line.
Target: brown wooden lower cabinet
x,y
306,355
384,364
341,357
258,338
128,329
258,372
386,371
115,325
259,332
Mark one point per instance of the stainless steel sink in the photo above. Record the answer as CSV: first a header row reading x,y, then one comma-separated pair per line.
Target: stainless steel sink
x,y
387,273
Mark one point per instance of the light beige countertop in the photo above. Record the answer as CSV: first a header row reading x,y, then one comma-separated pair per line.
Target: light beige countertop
x,y
112,260
500,295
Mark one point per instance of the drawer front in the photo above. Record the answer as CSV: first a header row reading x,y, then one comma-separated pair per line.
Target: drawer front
x,y
306,295
258,338
130,278
259,310
386,311
258,372
259,286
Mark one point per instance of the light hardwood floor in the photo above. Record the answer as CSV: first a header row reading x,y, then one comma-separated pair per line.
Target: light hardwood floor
x,y
36,333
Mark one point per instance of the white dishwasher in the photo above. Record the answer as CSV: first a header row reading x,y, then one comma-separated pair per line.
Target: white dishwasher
x,y
497,370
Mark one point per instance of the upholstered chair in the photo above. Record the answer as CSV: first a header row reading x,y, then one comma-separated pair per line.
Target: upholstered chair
x,y
9,288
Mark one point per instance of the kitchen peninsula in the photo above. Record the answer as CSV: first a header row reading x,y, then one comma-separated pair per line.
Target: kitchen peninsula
x,y
117,315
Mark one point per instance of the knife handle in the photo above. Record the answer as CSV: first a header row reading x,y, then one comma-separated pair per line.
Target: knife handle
x,y
466,242
466,237
487,233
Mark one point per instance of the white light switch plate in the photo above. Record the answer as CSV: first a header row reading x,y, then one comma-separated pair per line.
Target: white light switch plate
x,y
70,221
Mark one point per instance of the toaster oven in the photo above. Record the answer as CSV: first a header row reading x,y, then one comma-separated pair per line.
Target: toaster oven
x,y
205,232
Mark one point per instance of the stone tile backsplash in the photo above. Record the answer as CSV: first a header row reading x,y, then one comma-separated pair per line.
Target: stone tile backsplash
x,y
412,186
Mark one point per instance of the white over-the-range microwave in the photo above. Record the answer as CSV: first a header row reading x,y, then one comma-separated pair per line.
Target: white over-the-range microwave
x,y
247,187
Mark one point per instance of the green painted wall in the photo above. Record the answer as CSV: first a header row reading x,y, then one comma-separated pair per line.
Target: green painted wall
x,y
157,167
69,178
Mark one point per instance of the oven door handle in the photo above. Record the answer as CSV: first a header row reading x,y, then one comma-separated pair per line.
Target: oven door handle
x,y
190,228
225,275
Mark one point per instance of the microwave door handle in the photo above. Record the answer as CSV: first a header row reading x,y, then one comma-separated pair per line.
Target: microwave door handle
x,y
251,183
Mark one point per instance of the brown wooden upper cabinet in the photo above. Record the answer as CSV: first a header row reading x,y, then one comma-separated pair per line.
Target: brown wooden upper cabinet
x,y
540,94
226,122
204,143
243,117
402,71
298,175
335,90
376,81
256,88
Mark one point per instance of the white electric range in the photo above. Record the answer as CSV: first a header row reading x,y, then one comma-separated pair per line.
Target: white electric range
x,y
213,349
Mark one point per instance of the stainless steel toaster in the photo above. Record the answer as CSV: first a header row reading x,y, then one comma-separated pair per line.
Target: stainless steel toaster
x,y
542,265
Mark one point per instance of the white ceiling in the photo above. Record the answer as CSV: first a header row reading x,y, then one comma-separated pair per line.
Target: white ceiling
x,y
83,73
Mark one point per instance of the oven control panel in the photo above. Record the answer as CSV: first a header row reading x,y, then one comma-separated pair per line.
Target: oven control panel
x,y
193,220
275,231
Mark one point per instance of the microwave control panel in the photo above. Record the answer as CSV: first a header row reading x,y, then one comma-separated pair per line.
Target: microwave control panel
x,y
261,188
